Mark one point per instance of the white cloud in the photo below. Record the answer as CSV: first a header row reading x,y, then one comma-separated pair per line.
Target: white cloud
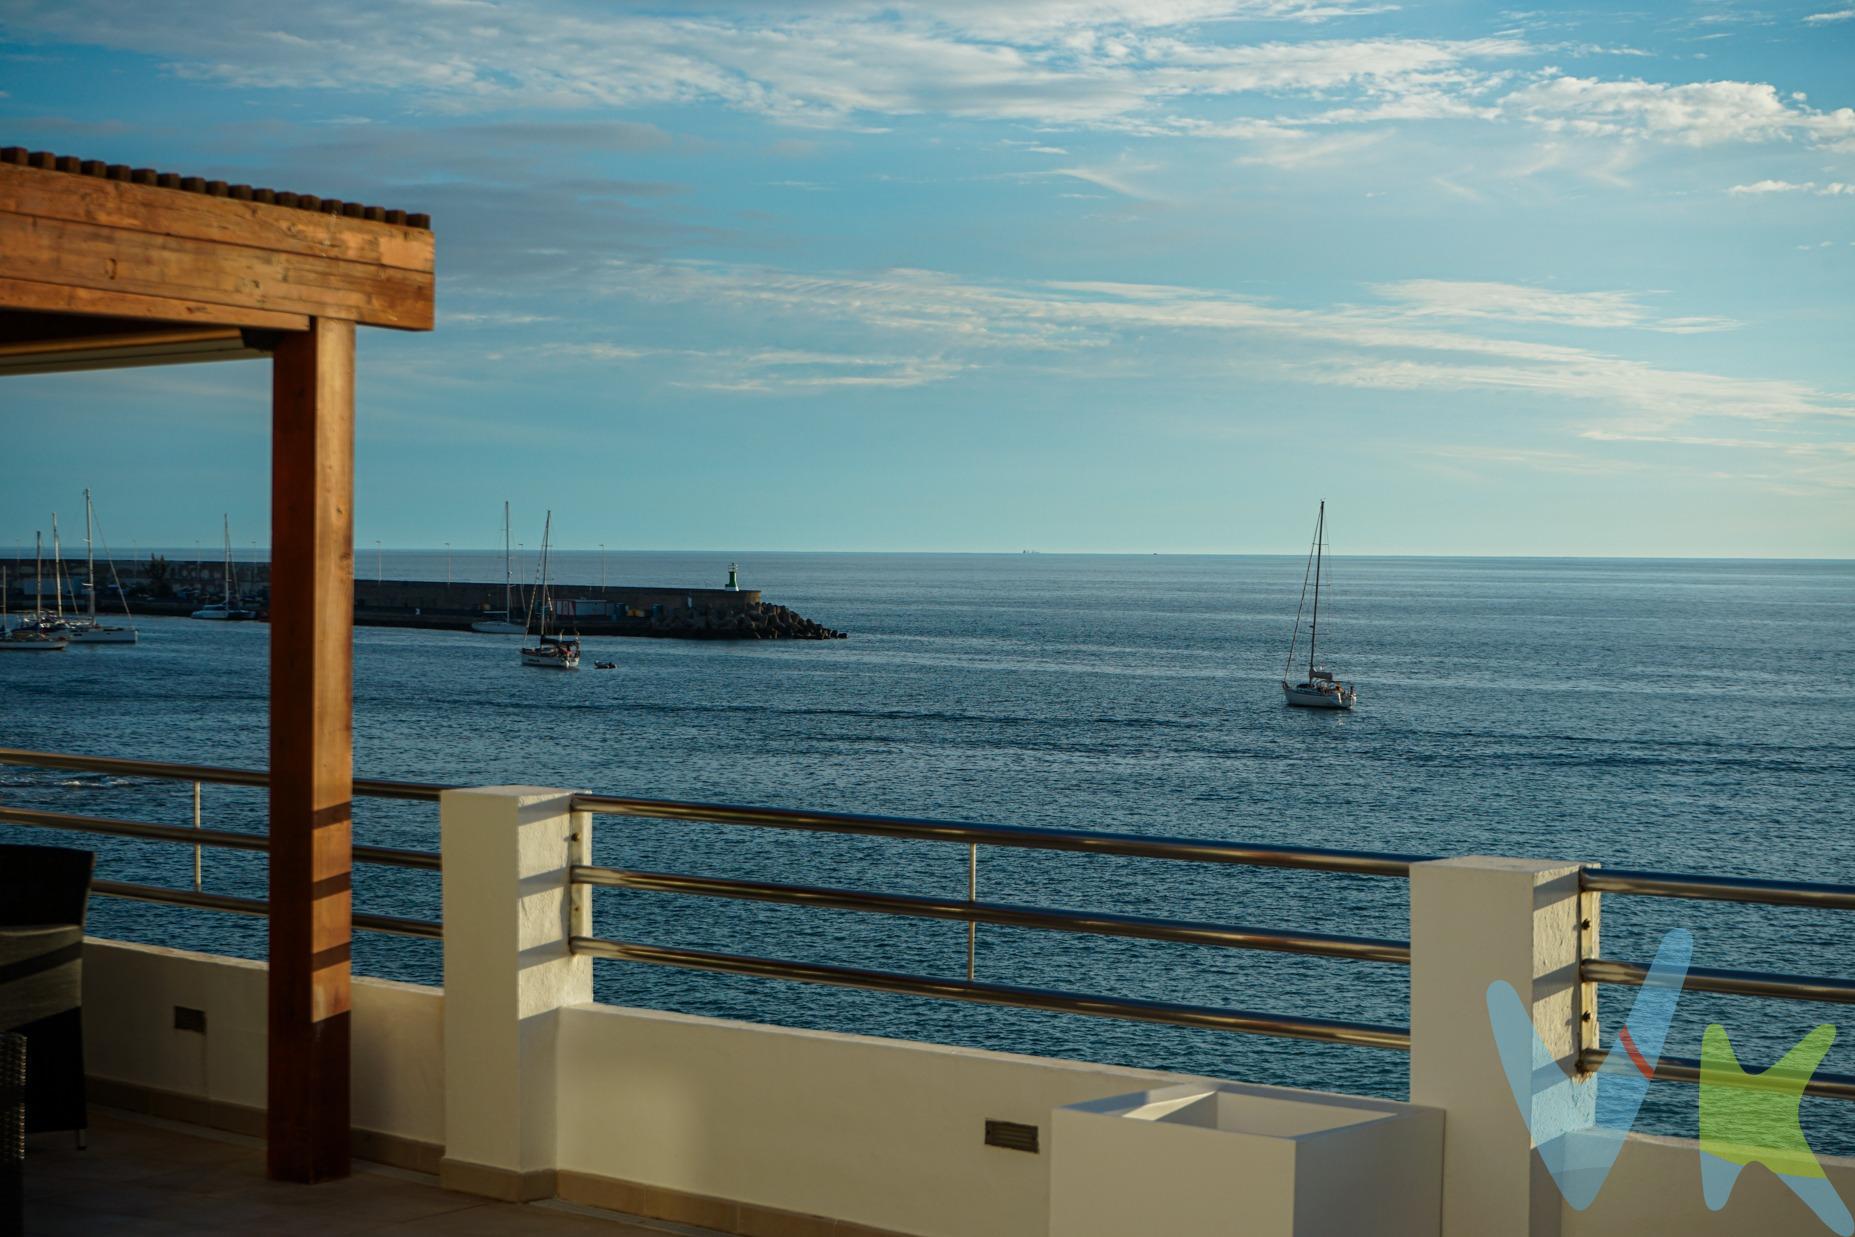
x,y
1823,19
1691,114
1443,298
1834,188
1056,62
1405,344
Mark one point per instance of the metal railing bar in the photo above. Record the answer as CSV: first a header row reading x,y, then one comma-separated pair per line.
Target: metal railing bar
x,y
1097,924
393,924
1362,1035
1138,846
1719,888
1687,1069
1739,983
387,855
371,788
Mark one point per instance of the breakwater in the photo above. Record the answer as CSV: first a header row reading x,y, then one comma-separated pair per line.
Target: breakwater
x,y
168,586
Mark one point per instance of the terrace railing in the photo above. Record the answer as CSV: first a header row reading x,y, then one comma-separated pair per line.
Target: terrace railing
x,y
975,912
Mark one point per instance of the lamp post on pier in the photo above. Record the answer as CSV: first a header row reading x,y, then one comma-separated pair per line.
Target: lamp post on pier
x,y
447,564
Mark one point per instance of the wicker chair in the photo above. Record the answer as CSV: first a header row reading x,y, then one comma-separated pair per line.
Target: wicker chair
x,y
44,892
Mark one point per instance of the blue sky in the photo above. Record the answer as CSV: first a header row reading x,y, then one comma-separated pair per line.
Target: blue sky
x,y
1063,274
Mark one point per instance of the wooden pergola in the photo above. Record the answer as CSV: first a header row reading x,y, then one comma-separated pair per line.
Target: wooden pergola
x,y
102,265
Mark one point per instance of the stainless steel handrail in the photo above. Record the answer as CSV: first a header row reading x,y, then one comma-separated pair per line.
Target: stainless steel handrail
x,y
1093,842
1719,888
192,836
364,787
1687,1069
1363,1035
1739,983
1092,923
392,924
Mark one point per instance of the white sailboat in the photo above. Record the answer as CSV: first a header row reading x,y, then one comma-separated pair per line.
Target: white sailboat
x,y
34,635
556,652
1320,690
490,623
227,611
87,630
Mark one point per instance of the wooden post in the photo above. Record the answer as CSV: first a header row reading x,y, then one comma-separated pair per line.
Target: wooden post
x,y
311,748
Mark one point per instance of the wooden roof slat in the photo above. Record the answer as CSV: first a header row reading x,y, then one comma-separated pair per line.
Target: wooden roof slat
x,y
45,160
230,220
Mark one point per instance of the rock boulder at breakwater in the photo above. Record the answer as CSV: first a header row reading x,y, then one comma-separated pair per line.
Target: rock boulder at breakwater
x,y
181,587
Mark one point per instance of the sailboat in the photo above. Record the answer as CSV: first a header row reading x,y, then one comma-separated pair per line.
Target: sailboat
x,y
87,630
1320,690
490,623
34,635
556,652
226,611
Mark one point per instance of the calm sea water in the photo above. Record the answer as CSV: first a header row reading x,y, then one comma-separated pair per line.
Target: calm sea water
x,y
1686,716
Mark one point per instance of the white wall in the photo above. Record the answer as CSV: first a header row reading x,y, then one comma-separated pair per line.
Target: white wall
x,y
881,1132
885,1133
1654,1191
130,992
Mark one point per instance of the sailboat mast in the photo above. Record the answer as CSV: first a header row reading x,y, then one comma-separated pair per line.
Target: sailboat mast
x,y
508,609
38,575
90,560
57,569
227,519
1320,535
547,533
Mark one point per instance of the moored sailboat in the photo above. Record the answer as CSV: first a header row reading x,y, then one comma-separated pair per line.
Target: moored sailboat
x,y
1319,690
227,611
502,624
34,635
557,651
87,629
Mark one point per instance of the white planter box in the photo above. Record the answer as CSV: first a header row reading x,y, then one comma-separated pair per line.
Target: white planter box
x,y
1235,1161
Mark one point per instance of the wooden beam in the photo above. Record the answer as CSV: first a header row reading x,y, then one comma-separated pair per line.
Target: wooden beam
x,y
141,263
311,756
66,299
223,220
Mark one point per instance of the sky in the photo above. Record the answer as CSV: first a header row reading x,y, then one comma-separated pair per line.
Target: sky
x,y
1070,275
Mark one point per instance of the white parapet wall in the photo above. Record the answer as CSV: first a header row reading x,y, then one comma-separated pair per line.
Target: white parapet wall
x,y
1654,1191
715,1121
878,1132
519,1086
137,1054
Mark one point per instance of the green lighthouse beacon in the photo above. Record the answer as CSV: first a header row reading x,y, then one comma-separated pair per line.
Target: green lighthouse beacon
x,y
734,584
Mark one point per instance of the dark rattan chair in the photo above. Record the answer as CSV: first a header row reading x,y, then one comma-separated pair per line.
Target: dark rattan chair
x,y
44,892
12,1134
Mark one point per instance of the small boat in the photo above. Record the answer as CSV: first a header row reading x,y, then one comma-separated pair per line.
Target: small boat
x,y
556,651
86,629
605,665
494,623
1319,690
227,611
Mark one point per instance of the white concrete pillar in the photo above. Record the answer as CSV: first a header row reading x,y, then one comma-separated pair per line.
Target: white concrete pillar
x,y
509,912
1475,920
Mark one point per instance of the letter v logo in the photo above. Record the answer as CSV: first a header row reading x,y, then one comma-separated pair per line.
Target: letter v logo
x,y
1578,1126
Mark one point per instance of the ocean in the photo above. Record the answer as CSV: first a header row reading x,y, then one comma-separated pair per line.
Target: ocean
x,y
1687,716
